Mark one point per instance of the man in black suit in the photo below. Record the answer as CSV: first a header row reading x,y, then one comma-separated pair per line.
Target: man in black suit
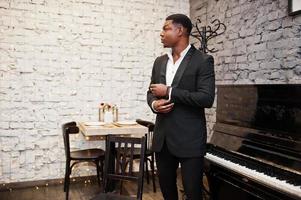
x,y
182,85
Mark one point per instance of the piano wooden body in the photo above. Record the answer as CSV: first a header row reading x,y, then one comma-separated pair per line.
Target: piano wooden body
x,y
255,149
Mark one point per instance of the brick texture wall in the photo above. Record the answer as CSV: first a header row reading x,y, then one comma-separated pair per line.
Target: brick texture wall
x,y
262,44
58,61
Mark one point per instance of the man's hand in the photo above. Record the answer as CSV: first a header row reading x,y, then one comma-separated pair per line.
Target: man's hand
x,y
158,90
163,106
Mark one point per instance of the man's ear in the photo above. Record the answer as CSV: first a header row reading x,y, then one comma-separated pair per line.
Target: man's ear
x,y
181,31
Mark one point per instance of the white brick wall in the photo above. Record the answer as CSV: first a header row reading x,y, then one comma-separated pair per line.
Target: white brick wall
x,y
261,44
58,61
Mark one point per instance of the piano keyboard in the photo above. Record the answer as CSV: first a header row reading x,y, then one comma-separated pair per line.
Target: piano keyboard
x,y
272,182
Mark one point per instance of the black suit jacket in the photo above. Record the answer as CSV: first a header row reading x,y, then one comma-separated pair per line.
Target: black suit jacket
x,y
193,89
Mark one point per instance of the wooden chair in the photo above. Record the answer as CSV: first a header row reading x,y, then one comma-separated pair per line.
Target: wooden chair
x,y
122,148
149,154
87,155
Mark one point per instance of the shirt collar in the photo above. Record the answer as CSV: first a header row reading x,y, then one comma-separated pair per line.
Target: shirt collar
x,y
182,54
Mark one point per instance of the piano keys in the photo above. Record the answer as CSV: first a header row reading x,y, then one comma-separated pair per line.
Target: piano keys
x,y
255,149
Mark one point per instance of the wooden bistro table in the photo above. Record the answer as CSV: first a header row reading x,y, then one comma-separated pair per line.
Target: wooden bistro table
x,y
100,132
97,132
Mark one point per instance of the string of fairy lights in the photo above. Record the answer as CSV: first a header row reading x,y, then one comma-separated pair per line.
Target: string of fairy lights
x,y
38,187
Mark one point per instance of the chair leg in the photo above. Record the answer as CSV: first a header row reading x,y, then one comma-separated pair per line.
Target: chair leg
x,y
146,170
67,194
152,163
101,168
121,187
67,181
97,162
66,174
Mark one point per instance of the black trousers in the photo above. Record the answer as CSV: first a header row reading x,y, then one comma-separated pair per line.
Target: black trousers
x,y
191,170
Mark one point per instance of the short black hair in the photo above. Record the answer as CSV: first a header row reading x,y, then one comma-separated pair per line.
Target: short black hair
x,y
181,19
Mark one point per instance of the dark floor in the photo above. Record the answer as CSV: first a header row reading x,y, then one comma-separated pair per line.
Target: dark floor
x,y
78,191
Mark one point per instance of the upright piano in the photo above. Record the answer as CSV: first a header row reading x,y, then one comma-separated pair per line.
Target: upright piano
x,y
255,149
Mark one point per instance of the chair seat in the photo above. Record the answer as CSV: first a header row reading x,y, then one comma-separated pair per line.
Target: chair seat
x,y
110,196
87,154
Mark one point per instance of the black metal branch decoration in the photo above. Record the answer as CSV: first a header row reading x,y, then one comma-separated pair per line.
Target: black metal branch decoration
x,y
204,33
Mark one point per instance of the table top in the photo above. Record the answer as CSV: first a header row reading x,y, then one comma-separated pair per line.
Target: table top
x,y
135,130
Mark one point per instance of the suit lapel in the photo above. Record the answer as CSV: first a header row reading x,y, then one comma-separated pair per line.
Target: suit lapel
x,y
163,70
182,67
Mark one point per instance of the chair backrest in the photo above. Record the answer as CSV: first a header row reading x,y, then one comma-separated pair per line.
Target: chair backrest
x,y
68,128
122,148
149,136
